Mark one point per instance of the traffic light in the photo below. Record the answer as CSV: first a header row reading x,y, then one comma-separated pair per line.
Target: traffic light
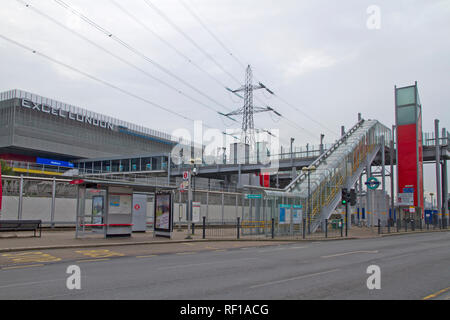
x,y
345,196
353,197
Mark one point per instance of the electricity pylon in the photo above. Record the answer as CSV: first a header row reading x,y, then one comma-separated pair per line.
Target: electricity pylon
x,y
248,110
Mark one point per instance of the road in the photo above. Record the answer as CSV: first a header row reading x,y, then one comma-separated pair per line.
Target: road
x,y
415,266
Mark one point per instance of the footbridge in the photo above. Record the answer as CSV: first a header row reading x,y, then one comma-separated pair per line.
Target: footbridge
x,y
318,188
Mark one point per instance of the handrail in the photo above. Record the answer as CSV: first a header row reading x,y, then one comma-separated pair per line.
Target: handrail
x,y
326,154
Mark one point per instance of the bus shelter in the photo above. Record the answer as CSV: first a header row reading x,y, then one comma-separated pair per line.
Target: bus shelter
x,y
117,209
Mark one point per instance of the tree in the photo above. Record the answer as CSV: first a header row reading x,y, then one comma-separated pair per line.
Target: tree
x,y
6,170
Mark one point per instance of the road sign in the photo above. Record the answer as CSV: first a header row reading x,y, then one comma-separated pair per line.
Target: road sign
x,y
253,196
184,185
373,183
186,175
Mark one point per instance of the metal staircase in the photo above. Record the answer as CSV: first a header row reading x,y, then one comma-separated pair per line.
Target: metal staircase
x,y
339,167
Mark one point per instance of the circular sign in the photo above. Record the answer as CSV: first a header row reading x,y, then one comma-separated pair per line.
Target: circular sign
x,y
137,207
373,183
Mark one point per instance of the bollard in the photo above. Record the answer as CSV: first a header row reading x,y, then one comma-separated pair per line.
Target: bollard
x,y
379,226
342,228
413,225
326,228
193,229
273,228
238,227
304,228
204,227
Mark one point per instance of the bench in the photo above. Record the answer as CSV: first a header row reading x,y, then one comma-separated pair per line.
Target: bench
x,y
21,225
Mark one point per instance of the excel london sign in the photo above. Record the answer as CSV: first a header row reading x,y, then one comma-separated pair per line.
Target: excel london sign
x,y
66,114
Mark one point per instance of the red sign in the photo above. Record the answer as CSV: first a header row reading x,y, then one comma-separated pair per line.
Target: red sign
x,y
75,182
137,207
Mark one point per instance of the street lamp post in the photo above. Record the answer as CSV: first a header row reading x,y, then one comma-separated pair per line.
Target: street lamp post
x,y
192,173
309,170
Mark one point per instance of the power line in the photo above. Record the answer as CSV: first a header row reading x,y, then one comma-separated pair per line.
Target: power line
x,y
192,41
92,77
167,43
42,14
229,52
132,49
208,30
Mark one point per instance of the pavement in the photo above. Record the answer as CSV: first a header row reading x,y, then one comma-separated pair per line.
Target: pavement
x,y
412,266
65,239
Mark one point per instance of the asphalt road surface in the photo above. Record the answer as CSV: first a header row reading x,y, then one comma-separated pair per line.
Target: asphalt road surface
x,y
415,266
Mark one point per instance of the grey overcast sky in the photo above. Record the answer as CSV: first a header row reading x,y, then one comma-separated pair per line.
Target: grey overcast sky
x,y
319,56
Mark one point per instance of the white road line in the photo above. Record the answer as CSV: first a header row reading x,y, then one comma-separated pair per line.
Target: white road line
x,y
278,249
348,253
291,279
30,283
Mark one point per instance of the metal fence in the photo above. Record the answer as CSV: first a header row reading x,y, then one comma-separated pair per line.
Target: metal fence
x,y
411,225
239,229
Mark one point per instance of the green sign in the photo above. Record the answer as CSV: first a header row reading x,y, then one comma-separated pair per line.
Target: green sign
x,y
286,206
253,196
373,183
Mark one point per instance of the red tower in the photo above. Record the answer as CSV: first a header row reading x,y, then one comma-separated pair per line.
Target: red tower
x,y
408,114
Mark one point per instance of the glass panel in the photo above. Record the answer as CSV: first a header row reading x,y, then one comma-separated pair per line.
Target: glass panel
x,y
406,96
406,115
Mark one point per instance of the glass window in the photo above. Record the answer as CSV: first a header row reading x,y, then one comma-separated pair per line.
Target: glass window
x,y
406,96
406,115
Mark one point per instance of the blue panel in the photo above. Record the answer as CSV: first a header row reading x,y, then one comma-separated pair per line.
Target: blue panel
x,y
56,163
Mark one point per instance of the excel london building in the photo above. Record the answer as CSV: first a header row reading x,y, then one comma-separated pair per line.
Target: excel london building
x,y
36,129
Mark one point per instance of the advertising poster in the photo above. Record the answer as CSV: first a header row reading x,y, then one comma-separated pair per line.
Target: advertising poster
x,y
97,209
163,212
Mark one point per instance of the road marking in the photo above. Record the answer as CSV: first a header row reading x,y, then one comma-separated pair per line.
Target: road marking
x,y
278,249
100,253
212,248
434,295
295,278
21,267
30,283
188,244
184,253
143,257
30,257
348,253
92,260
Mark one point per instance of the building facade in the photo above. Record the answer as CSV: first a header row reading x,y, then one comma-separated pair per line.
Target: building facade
x,y
33,126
